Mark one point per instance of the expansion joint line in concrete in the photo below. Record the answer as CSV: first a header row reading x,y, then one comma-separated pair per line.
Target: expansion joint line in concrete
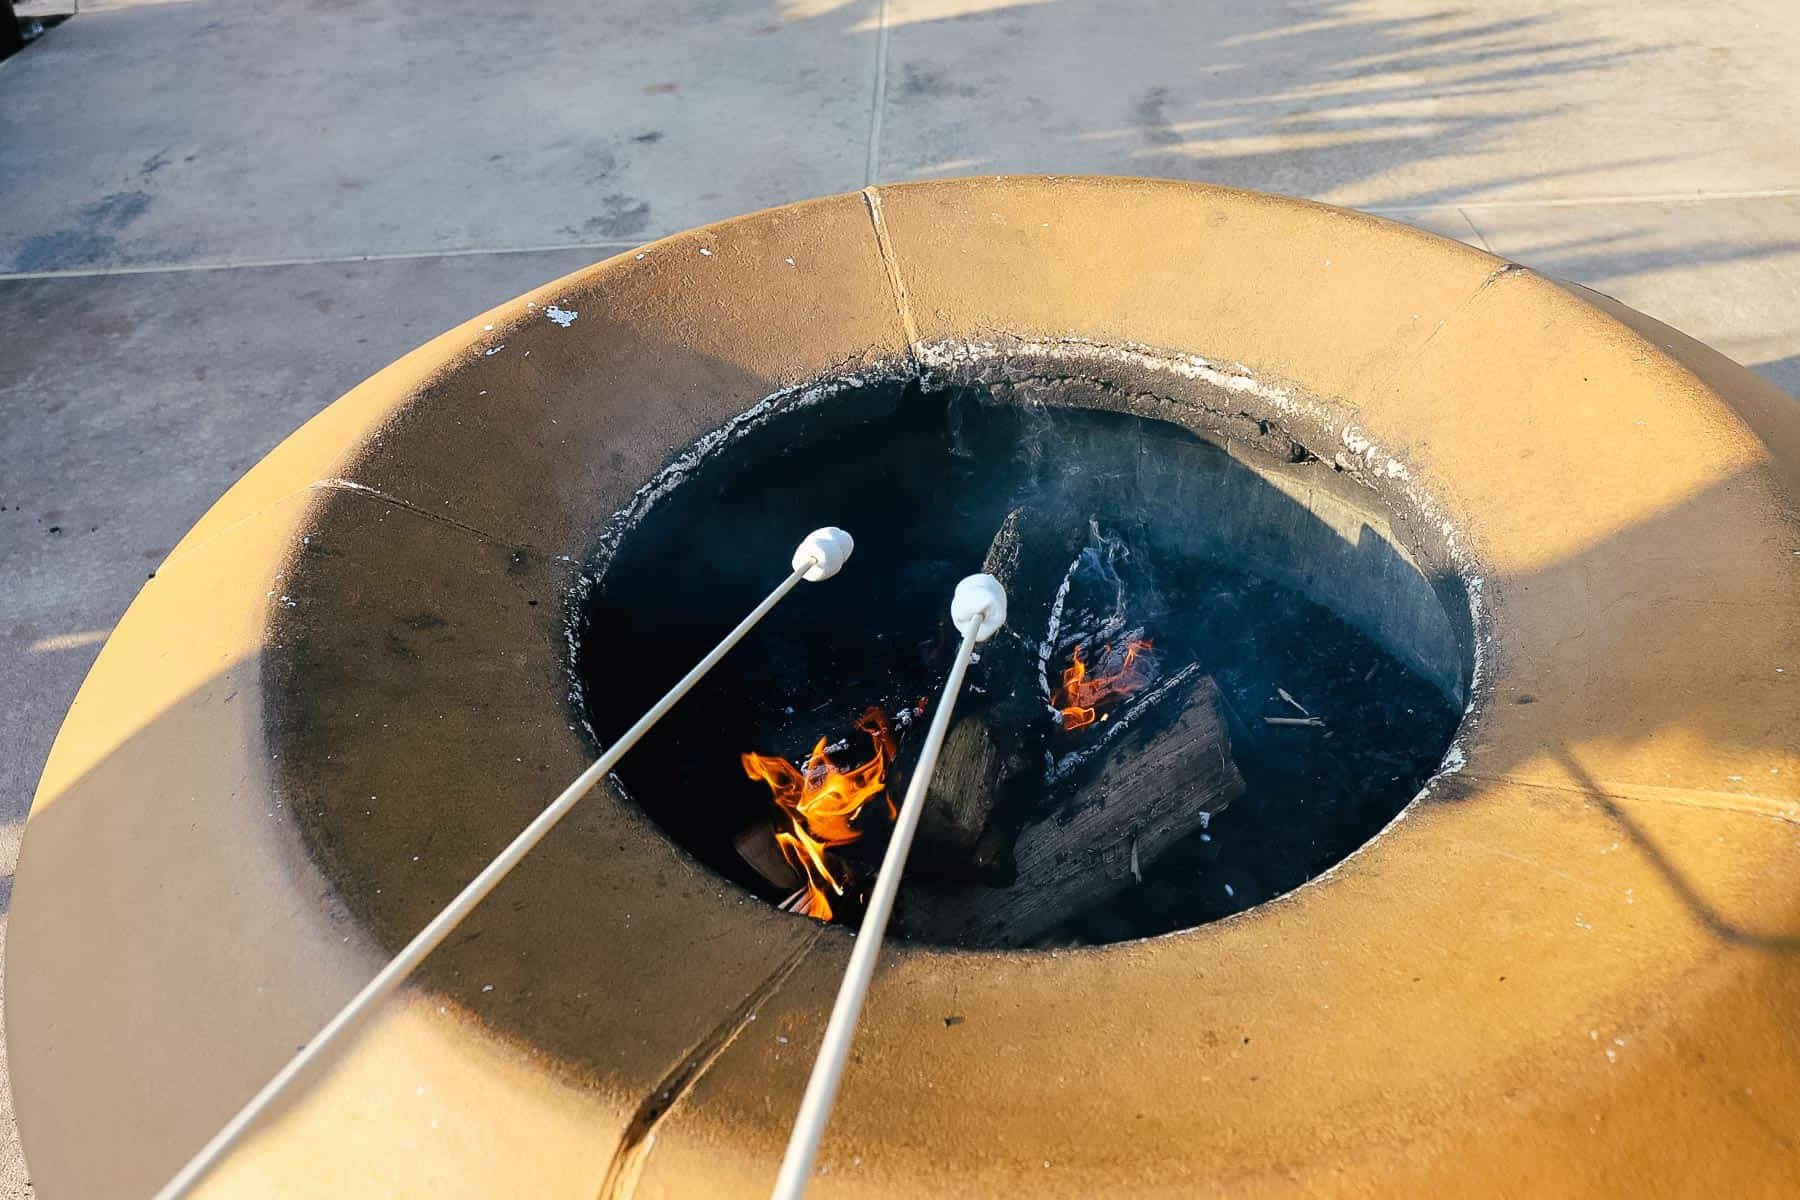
x,y
1696,197
877,101
871,171
315,260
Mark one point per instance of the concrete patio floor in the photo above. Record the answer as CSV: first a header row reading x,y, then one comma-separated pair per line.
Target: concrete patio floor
x,y
216,217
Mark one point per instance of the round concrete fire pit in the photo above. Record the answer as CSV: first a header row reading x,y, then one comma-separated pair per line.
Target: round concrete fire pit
x,y
1570,967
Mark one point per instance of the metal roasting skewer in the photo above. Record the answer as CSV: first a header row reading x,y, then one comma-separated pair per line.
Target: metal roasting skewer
x,y
978,610
820,556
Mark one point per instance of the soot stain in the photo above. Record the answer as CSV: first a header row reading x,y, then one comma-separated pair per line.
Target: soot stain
x,y
91,239
619,216
1150,116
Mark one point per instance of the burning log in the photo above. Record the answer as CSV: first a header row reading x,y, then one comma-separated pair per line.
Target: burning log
x,y
990,746
972,772
757,846
1162,782
1118,675
816,806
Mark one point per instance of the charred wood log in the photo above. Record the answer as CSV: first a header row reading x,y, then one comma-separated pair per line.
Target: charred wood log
x,y
757,846
1159,784
996,738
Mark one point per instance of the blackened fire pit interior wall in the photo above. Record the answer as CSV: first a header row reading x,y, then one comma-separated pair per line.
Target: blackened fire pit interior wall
x,y
1145,501
353,682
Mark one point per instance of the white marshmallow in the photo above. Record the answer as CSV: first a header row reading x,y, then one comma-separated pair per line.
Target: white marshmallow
x,y
979,598
827,549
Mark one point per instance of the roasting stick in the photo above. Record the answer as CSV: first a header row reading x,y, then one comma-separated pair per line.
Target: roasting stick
x,y
819,557
978,610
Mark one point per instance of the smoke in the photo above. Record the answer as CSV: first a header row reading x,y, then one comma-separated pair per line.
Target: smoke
x,y
1108,597
956,408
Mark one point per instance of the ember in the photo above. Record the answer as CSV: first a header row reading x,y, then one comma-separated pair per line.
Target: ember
x,y
817,804
1120,675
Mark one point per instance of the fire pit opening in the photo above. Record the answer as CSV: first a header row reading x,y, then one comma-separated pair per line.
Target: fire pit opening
x,y
1223,672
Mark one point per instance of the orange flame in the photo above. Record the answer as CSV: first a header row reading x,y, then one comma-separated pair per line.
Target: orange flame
x,y
1079,695
819,802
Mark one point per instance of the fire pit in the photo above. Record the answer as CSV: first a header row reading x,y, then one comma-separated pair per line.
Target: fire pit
x,y
1222,673
1266,475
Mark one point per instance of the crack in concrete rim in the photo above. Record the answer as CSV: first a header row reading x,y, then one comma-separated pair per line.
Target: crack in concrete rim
x,y
182,554
639,1136
348,485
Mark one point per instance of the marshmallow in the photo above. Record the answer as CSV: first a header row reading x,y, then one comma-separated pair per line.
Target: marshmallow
x,y
979,602
826,550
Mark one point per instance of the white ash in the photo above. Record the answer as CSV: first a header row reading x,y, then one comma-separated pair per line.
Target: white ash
x,y
1101,555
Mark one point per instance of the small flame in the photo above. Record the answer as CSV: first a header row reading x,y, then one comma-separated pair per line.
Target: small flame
x,y
1079,695
818,803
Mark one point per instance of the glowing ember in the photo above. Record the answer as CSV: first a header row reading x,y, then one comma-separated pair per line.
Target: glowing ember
x,y
1116,676
816,805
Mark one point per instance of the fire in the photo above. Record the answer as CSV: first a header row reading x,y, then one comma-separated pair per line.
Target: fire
x,y
1079,694
818,804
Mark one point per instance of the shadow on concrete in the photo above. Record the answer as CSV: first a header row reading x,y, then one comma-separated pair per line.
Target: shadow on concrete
x,y
1309,98
1297,98
1681,882
1600,259
1784,373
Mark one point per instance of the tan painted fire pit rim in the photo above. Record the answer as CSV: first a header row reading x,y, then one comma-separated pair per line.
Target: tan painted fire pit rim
x,y
1587,926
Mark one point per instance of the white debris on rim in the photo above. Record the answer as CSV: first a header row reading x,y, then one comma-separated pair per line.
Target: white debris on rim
x,y
562,316
1362,458
948,354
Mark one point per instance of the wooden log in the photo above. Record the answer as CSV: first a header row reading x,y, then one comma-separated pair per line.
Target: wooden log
x,y
757,846
1002,559
1159,784
992,742
972,770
